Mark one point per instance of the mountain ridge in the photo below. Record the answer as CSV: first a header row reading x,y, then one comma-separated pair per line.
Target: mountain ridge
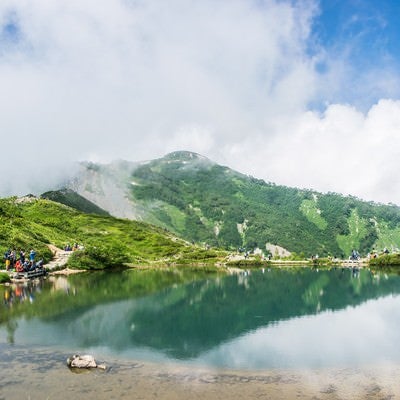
x,y
204,202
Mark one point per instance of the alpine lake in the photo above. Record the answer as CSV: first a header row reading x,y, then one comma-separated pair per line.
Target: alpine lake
x,y
270,333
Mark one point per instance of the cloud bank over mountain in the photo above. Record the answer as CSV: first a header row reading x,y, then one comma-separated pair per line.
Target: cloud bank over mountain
x,y
256,85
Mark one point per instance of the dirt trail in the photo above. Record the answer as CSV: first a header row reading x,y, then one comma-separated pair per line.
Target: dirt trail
x,y
60,258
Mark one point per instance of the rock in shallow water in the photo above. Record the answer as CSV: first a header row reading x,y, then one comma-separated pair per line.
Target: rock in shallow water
x,y
85,361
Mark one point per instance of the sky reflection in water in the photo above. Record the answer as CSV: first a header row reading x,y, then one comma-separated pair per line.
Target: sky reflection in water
x,y
354,336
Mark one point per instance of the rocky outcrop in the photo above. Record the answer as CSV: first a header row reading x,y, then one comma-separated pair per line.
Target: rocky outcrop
x,y
107,186
277,251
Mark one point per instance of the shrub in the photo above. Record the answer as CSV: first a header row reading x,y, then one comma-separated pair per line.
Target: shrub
x,y
4,277
98,257
385,260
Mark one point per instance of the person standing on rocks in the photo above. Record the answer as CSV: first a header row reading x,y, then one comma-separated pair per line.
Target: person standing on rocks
x,y
32,255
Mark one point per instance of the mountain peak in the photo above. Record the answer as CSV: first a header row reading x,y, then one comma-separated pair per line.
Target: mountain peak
x,y
184,155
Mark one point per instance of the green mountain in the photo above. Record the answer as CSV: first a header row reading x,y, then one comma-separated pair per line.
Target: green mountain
x,y
204,202
74,200
29,222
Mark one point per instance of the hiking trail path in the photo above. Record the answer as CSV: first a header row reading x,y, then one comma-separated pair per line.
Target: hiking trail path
x,y
60,258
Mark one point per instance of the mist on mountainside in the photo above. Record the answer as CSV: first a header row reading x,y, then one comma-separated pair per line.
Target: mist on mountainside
x,y
34,177
107,187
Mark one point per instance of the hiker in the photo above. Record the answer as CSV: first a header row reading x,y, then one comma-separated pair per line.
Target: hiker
x,y
32,255
7,259
33,266
22,256
354,255
8,263
26,266
18,266
13,258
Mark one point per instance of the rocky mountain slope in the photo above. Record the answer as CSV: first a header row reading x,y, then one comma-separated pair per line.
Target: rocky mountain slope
x,y
204,202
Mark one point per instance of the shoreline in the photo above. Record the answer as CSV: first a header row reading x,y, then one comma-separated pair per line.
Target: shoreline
x,y
44,374
60,259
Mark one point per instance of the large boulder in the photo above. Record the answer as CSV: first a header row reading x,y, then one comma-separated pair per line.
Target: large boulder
x,y
85,361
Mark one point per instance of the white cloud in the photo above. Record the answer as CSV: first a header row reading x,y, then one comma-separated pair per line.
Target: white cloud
x,y
342,150
230,79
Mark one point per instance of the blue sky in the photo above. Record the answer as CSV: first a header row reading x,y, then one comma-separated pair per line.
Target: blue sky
x,y
368,24
255,85
365,34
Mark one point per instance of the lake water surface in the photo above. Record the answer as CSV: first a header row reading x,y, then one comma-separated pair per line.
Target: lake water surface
x,y
272,318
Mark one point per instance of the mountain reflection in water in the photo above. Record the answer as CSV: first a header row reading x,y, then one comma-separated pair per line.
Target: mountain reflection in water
x,y
260,319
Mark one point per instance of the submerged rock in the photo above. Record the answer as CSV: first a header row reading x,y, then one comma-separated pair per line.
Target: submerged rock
x,y
85,361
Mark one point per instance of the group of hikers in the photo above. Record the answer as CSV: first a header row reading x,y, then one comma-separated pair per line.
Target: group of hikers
x,y
68,247
355,255
21,262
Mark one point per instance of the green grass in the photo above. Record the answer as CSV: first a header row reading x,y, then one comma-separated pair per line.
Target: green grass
x,y
252,263
108,242
177,217
357,232
387,236
4,277
386,260
313,214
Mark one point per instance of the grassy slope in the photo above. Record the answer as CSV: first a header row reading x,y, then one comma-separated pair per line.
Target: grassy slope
x,y
108,241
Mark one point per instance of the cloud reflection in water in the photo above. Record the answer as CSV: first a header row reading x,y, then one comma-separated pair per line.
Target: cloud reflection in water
x,y
356,335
